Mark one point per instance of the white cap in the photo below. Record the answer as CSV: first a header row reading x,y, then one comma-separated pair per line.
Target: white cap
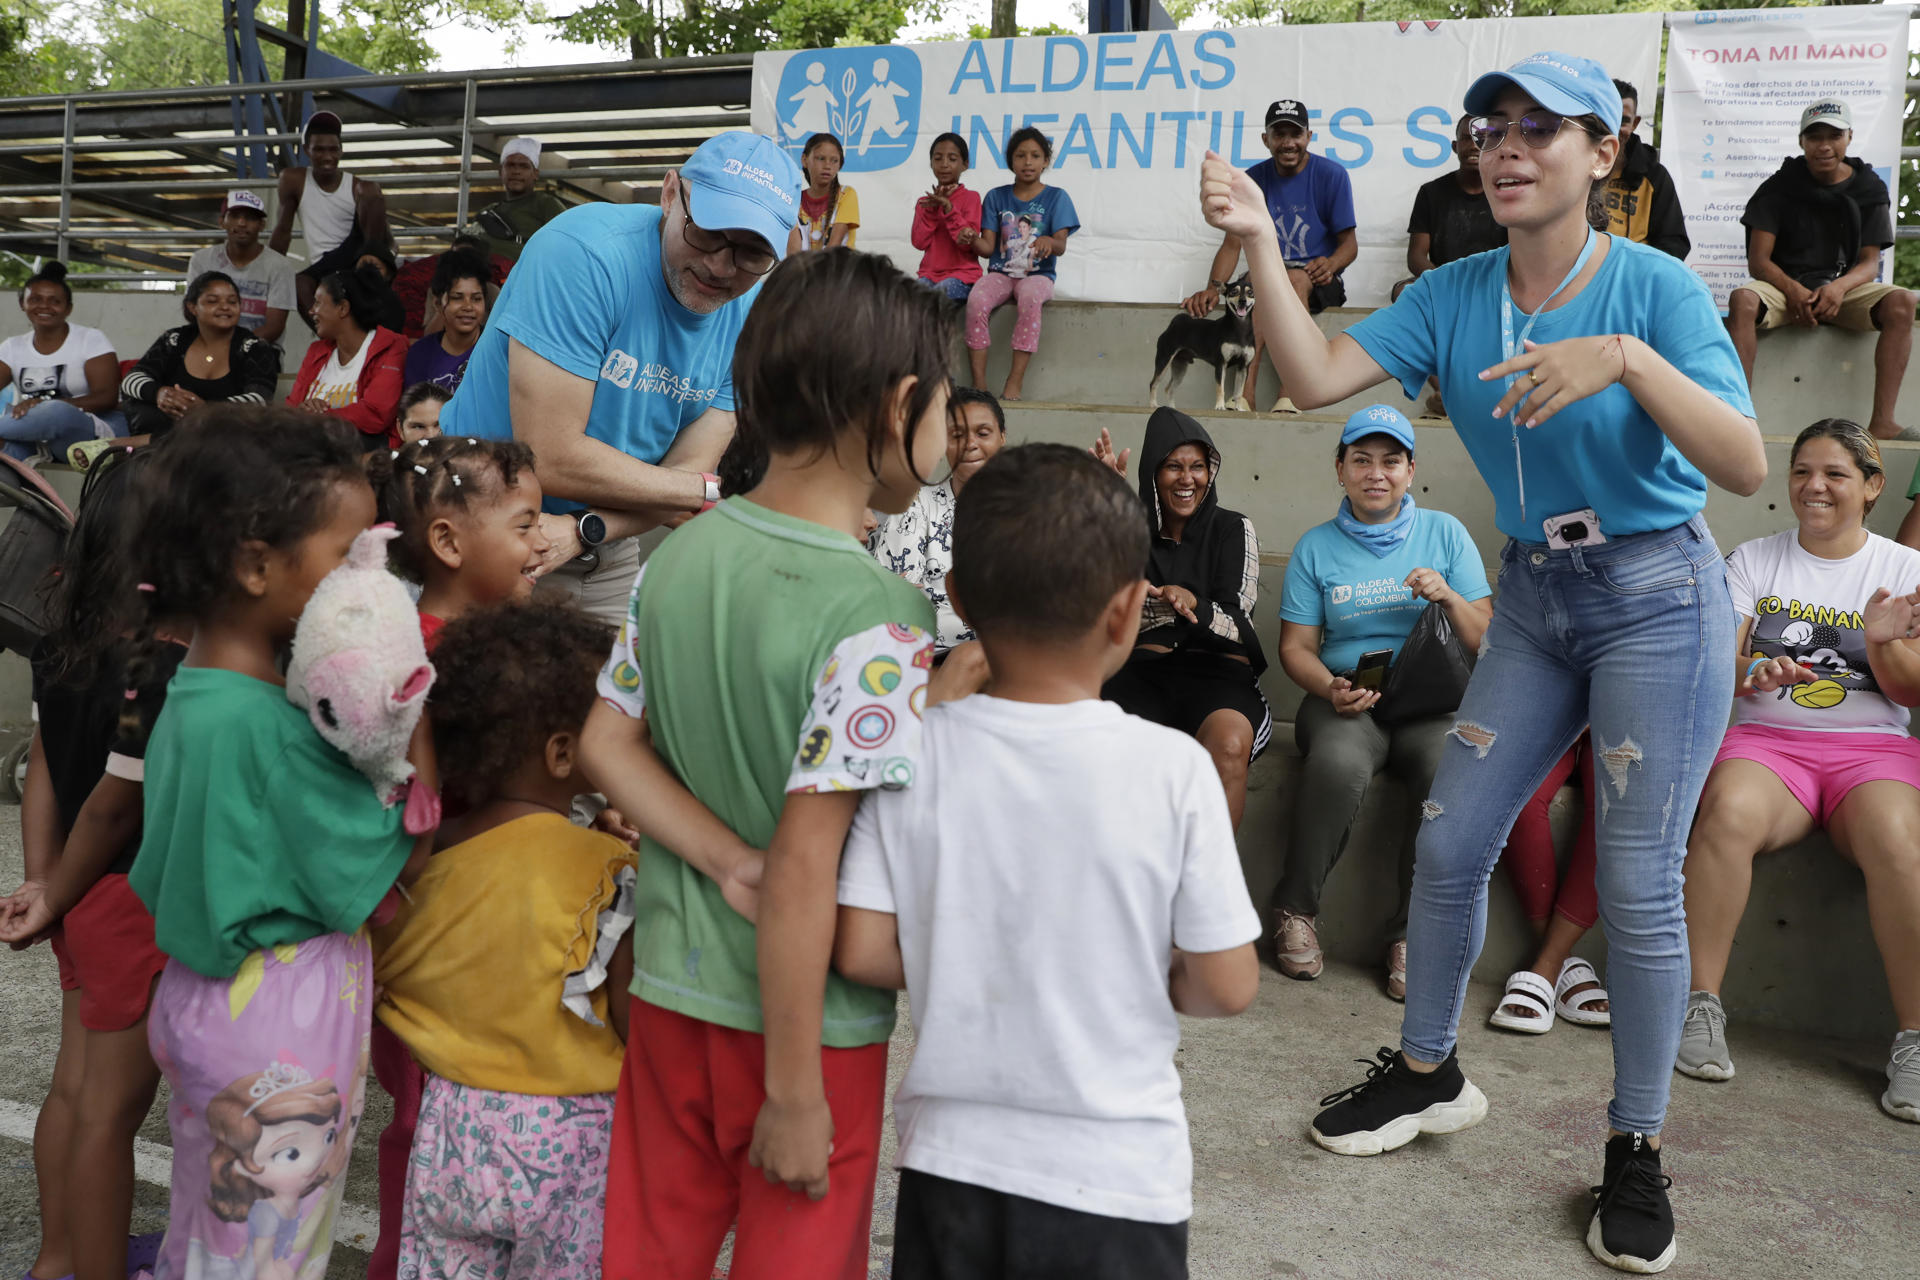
x,y
241,199
1827,112
528,147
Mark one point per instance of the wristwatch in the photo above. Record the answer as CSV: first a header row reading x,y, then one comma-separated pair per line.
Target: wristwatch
x,y
712,498
593,530
1216,284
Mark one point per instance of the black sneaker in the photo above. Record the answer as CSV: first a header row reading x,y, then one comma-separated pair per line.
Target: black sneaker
x,y
1394,1105
1632,1227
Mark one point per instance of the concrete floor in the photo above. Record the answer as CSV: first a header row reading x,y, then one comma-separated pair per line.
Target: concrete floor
x,y
1789,1170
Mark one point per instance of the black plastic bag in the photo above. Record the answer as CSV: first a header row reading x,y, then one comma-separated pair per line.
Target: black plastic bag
x,y
1429,678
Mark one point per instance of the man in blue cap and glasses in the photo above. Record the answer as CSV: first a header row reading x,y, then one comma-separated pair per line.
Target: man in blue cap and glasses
x,y
610,352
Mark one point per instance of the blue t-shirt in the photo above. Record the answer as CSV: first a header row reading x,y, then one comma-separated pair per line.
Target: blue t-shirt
x,y
1015,223
588,295
1310,209
1604,452
1359,600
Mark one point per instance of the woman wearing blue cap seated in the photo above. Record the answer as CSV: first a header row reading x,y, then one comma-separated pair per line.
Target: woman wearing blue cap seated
x,y
1355,587
1593,385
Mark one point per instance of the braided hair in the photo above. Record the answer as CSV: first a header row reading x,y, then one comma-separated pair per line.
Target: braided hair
x,y
428,478
90,594
833,191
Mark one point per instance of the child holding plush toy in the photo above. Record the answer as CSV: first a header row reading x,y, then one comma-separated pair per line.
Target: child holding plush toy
x,y
509,978
267,846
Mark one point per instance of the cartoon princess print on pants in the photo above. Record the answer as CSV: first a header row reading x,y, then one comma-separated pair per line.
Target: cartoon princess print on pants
x,y
260,1157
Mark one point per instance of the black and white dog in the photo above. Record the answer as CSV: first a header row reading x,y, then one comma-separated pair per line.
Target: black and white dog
x,y
1225,342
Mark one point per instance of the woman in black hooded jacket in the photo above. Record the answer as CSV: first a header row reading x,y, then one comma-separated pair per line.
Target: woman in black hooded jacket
x,y
1196,666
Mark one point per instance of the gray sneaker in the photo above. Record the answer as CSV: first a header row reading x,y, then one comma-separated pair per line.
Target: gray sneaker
x,y
1902,1098
1703,1040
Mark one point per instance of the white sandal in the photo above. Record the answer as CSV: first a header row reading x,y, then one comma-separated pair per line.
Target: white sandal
x,y
1579,1008
1529,990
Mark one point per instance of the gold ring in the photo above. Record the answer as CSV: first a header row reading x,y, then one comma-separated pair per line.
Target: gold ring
x,y
1533,377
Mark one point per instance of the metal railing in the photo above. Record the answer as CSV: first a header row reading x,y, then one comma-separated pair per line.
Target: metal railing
x,y
123,176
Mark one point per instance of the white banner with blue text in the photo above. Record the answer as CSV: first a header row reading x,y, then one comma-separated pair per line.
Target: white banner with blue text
x,y
1737,81
1131,114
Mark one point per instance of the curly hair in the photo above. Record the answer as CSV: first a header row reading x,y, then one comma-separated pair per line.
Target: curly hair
x,y
507,678
429,478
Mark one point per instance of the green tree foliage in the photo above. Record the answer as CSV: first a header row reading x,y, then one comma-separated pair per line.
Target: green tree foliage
x,y
683,28
1247,13
157,44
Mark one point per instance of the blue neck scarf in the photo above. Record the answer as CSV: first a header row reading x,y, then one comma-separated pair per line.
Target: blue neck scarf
x,y
1381,539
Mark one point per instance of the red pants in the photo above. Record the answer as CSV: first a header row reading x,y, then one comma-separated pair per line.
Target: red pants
x,y
1529,855
405,1081
678,1175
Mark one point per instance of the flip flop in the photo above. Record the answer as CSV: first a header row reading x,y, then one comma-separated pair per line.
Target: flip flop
x,y
1529,990
82,455
143,1251
1579,1008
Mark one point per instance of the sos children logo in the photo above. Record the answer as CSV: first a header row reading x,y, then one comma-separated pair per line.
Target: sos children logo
x,y
869,98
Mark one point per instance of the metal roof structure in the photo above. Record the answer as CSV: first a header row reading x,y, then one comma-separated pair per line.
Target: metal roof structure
x,y
132,180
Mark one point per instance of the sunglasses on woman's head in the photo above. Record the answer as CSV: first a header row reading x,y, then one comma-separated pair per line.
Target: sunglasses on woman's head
x,y
1538,128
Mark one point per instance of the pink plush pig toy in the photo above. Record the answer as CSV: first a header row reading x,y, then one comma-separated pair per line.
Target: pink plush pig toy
x,y
360,672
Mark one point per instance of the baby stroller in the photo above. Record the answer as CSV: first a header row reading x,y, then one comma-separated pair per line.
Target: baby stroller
x,y
31,543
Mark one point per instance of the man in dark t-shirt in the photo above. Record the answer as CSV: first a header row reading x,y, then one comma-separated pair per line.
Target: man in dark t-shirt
x,y
1815,231
1451,218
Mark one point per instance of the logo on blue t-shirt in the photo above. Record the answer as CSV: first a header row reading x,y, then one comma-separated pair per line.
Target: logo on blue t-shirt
x,y
869,98
619,368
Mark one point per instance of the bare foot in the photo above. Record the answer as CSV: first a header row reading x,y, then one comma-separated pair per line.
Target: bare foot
x,y
1011,391
1434,408
1598,1006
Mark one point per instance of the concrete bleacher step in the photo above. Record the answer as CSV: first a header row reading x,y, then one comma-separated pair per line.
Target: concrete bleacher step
x,y
1804,959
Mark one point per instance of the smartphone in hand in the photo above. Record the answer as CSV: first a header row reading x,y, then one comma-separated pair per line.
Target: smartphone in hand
x,y
1371,671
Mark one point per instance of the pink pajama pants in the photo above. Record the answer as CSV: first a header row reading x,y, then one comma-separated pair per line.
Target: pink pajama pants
x,y
996,289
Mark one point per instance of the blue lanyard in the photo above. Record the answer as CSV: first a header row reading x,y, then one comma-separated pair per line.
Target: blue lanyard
x,y
1511,346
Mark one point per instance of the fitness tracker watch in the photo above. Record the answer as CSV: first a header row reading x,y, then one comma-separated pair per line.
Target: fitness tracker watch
x,y
593,530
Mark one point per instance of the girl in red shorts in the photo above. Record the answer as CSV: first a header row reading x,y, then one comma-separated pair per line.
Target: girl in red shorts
x,y
1827,667
80,827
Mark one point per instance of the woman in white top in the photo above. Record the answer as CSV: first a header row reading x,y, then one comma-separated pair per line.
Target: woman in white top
x,y
66,377
1827,667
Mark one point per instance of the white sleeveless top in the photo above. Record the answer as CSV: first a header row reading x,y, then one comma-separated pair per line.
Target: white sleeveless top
x,y
326,217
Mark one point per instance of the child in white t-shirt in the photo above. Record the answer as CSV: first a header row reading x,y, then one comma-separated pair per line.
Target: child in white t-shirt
x,y
1061,879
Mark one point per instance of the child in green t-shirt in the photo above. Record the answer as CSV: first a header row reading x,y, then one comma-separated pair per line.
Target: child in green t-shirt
x,y
781,673
264,850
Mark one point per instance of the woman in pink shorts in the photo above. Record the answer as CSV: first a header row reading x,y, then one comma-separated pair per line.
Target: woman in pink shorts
x,y
1827,668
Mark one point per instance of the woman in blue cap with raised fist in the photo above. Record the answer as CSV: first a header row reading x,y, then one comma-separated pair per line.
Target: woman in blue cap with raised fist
x,y
1595,389
1356,586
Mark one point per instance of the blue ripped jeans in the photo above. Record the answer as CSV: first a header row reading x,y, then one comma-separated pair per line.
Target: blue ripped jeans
x,y
56,425
1634,637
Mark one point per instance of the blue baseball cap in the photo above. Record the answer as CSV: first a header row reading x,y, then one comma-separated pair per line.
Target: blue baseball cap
x,y
1379,420
1561,82
745,182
